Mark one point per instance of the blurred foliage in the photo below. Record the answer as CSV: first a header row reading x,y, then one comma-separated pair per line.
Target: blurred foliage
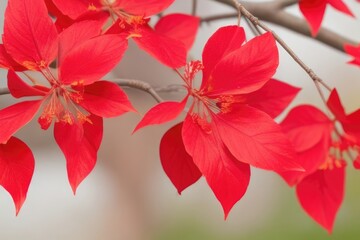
x,y
290,222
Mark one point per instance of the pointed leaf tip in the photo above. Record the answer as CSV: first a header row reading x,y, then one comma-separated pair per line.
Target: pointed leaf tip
x,y
16,170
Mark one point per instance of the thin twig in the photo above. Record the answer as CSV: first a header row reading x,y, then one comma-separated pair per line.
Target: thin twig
x,y
274,12
218,17
284,45
194,7
287,3
141,85
4,91
137,84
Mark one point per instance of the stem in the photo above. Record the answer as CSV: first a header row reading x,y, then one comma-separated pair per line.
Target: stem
x,y
137,84
141,85
194,7
273,12
286,47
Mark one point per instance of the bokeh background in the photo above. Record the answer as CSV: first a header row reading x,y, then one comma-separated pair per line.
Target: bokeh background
x,y
129,197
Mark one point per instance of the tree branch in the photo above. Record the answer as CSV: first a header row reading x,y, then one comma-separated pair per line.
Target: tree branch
x,y
137,84
254,20
274,12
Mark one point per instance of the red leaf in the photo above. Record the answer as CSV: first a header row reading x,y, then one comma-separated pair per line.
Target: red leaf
x,y
223,42
179,26
177,163
15,117
335,106
168,51
309,131
145,8
74,9
30,37
310,159
162,113
313,11
105,99
353,51
273,97
340,6
92,60
246,69
79,143
254,138
7,62
306,126
76,34
351,125
16,169
18,88
321,195
227,177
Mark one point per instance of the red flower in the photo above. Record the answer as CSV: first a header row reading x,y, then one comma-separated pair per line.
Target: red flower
x,y
321,149
224,133
355,52
16,169
168,42
74,98
314,10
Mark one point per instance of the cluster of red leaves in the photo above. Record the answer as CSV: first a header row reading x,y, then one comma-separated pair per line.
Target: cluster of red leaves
x,y
229,125
73,95
322,147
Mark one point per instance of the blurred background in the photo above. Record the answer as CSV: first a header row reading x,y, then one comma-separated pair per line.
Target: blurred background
x,y
129,197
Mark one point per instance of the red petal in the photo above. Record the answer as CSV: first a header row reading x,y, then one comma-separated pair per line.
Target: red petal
x,y
79,143
341,6
7,62
15,117
144,8
177,163
18,88
306,126
353,51
179,26
168,51
321,195
77,34
246,69
254,138
16,169
106,99
351,125
227,177
74,9
273,97
313,11
335,105
162,113
92,60
309,131
223,42
310,159
30,37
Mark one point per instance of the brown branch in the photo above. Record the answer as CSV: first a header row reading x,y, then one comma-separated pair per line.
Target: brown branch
x,y
137,84
257,23
194,7
273,12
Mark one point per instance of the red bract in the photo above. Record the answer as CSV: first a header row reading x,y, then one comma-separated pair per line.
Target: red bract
x,y
168,42
314,11
224,133
355,52
16,169
75,98
321,150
